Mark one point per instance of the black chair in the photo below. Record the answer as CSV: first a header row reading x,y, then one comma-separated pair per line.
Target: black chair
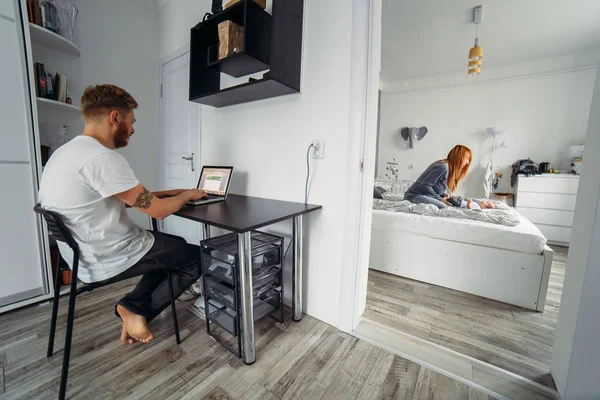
x,y
62,234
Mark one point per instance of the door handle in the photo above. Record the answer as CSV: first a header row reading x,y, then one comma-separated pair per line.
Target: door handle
x,y
191,160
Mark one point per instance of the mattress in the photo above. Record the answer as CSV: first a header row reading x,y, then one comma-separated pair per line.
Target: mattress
x,y
524,237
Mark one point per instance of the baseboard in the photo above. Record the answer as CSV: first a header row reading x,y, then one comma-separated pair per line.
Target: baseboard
x,y
487,378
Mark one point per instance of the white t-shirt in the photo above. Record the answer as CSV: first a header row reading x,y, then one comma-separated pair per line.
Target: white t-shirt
x,y
79,183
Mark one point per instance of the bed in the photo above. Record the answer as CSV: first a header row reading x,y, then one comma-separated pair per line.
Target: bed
x,y
508,264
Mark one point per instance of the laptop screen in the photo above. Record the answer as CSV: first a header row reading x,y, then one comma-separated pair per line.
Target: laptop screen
x,y
215,180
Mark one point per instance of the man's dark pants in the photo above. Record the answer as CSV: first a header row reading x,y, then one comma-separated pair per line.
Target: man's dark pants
x,y
151,295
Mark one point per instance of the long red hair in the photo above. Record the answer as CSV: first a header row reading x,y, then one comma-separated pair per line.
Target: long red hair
x,y
455,160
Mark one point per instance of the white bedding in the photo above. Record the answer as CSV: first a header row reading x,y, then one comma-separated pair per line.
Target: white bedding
x,y
524,238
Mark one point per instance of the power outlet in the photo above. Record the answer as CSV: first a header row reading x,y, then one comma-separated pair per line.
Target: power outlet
x,y
318,149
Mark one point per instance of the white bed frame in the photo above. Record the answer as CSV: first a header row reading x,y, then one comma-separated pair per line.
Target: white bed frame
x,y
504,275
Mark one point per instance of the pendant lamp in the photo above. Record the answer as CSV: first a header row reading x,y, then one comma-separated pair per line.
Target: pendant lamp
x,y
476,52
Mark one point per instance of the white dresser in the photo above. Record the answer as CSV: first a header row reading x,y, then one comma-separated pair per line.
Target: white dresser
x,y
548,200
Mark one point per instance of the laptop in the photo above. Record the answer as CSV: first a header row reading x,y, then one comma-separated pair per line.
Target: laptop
x,y
215,182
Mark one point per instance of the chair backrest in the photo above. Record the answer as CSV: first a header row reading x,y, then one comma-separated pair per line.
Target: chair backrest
x,y
57,227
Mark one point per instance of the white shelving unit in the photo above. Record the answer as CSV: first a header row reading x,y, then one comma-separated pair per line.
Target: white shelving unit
x,y
54,105
50,39
56,53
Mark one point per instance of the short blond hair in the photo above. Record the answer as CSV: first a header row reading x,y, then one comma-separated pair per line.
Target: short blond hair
x,y
99,100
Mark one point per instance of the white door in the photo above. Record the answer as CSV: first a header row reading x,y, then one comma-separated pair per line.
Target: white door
x,y
179,139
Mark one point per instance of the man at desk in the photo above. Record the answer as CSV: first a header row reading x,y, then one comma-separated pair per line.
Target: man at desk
x,y
89,184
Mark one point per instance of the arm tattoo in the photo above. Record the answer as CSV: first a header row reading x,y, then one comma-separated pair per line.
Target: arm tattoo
x,y
144,199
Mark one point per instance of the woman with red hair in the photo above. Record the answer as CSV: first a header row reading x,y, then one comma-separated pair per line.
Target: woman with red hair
x,y
439,177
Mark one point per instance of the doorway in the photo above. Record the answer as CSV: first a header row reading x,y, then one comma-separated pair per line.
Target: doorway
x,y
538,345
179,140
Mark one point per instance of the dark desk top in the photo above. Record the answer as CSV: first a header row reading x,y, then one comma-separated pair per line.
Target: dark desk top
x,y
242,213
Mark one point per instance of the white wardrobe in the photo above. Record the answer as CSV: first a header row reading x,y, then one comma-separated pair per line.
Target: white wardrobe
x,y
24,260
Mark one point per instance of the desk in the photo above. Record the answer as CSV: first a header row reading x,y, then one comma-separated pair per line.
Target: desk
x,y
243,214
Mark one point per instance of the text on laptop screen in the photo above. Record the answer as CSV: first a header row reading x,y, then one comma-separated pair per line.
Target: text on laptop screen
x,y
215,180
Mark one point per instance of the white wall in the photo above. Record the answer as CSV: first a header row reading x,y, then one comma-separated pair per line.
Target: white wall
x,y
267,140
118,42
542,116
576,351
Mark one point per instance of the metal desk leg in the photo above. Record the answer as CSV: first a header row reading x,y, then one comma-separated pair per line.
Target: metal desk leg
x,y
297,270
245,267
206,231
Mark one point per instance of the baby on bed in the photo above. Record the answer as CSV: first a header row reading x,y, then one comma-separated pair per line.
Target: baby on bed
x,y
470,203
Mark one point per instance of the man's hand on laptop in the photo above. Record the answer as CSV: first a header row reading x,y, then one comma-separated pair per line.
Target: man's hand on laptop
x,y
197,194
156,207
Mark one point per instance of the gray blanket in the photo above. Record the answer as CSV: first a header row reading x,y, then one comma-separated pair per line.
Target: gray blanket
x,y
502,215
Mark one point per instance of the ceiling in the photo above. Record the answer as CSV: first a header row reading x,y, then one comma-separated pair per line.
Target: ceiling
x,y
432,37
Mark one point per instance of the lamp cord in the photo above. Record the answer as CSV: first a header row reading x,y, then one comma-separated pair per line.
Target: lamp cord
x,y
305,191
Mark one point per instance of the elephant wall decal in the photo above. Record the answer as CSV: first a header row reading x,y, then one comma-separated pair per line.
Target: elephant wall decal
x,y
412,135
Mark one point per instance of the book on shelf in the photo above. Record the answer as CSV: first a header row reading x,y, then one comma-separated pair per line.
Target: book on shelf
x,y
40,80
61,88
49,15
30,11
49,88
34,12
35,73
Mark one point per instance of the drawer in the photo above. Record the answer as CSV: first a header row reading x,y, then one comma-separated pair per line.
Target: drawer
x,y
264,276
549,201
555,233
221,292
264,305
222,265
219,265
548,217
549,184
226,319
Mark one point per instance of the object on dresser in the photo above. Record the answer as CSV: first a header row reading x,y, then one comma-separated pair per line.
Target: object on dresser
x,y
523,167
576,166
49,16
261,3
231,39
544,167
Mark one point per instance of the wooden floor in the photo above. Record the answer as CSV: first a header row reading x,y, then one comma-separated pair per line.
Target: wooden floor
x,y
509,337
308,360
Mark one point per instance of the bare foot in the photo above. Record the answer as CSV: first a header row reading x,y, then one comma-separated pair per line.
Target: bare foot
x,y
125,338
469,202
134,326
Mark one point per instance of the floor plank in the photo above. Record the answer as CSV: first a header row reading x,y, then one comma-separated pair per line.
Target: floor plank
x,y
434,386
354,372
506,336
392,377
